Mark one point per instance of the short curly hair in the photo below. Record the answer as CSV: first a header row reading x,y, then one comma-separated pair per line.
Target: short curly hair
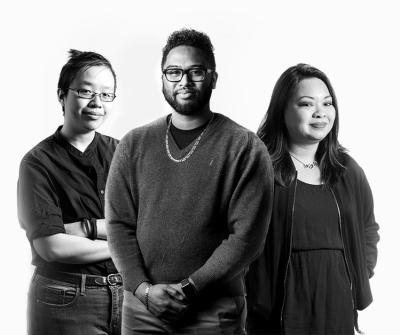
x,y
80,61
193,38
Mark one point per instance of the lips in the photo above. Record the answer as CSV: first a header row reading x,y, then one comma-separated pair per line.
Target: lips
x,y
94,115
186,94
319,124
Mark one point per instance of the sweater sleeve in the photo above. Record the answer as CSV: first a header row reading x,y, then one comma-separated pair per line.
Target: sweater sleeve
x,y
121,217
248,216
370,225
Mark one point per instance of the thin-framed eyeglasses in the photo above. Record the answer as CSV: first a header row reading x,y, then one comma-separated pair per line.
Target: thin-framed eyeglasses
x,y
88,94
194,74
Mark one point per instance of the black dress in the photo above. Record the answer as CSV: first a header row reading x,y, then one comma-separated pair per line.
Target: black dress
x,y
318,294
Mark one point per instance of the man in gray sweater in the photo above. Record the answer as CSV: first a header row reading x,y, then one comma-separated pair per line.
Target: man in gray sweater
x,y
188,203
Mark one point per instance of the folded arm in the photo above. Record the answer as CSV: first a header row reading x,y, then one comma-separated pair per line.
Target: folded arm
x,y
41,216
63,248
77,229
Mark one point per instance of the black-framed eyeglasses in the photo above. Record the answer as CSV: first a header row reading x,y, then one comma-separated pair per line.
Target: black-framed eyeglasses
x,y
88,94
194,74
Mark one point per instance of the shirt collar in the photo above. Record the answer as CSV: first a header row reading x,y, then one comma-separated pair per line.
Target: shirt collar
x,y
61,140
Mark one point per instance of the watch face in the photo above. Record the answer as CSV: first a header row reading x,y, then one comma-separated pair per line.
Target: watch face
x,y
185,283
188,289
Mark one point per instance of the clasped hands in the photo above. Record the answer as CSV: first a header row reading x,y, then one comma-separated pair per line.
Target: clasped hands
x,y
165,301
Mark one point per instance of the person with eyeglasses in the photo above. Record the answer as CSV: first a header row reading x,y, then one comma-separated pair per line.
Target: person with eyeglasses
x,y
76,288
188,202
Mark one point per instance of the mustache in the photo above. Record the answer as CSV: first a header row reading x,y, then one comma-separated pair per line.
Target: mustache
x,y
185,90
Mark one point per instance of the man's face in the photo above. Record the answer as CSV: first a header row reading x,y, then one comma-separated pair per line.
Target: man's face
x,y
188,97
85,115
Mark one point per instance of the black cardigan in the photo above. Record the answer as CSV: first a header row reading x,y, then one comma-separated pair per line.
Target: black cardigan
x,y
265,280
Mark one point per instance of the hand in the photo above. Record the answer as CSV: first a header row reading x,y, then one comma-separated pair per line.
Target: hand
x,y
167,302
175,291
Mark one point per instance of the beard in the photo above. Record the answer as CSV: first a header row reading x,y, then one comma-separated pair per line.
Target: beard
x,y
192,106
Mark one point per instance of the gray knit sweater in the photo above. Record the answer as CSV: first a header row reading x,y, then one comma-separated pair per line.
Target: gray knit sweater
x,y
206,217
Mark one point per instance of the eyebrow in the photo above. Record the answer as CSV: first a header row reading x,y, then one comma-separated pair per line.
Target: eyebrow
x,y
307,96
190,67
88,83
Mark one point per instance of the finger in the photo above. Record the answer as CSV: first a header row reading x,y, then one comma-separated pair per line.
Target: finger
x,y
176,307
175,294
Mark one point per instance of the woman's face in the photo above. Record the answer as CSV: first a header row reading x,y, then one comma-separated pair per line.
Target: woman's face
x,y
309,115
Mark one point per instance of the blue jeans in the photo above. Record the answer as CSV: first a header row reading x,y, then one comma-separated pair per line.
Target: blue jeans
x,y
56,307
222,316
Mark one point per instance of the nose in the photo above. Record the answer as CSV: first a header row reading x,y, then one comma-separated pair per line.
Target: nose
x,y
319,111
185,80
96,101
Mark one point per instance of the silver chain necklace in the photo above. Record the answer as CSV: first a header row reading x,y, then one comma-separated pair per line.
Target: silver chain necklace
x,y
196,143
306,166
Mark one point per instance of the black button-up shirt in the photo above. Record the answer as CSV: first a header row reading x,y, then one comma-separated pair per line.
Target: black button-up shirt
x,y
59,184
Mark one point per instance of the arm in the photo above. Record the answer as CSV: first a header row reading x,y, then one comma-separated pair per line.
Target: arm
x,y
167,302
41,216
248,216
121,217
121,223
75,228
370,226
70,249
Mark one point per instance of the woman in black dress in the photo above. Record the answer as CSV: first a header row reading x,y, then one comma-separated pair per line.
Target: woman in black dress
x,y
320,252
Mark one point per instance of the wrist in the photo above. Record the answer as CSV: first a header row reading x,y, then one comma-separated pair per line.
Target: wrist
x,y
141,291
93,226
189,288
86,227
146,296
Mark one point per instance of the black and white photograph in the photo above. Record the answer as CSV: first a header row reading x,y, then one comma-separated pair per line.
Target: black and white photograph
x,y
213,167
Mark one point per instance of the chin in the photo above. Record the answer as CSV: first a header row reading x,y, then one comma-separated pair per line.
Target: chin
x,y
315,139
93,125
190,108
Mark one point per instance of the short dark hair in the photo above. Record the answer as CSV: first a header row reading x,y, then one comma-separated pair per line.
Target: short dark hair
x,y
80,61
193,38
273,132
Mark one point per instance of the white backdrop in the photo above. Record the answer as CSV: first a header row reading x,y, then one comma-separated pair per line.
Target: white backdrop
x,y
354,42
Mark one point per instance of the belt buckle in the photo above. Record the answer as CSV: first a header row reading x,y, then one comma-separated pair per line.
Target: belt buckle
x,y
114,279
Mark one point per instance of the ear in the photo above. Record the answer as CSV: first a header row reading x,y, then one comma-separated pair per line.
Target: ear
x,y
60,96
214,79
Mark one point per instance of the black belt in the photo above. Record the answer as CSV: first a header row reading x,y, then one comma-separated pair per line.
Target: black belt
x,y
76,278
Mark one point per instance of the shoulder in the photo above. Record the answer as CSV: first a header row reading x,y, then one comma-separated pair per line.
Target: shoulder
x,y
146,136
152,128
353,171
40,151
239,134
231,127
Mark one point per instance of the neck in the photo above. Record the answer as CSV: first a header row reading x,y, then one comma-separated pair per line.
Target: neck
x,y
79,140
187,122
305,152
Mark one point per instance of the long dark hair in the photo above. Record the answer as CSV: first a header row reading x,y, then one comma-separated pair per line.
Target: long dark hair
x,y
273,132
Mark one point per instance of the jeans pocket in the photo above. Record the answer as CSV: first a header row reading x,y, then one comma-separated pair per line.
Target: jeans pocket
x,y
53,293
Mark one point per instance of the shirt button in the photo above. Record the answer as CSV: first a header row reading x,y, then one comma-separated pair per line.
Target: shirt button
x,y
102,191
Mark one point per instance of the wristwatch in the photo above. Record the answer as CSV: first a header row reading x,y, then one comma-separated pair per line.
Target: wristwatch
x,y
189,289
